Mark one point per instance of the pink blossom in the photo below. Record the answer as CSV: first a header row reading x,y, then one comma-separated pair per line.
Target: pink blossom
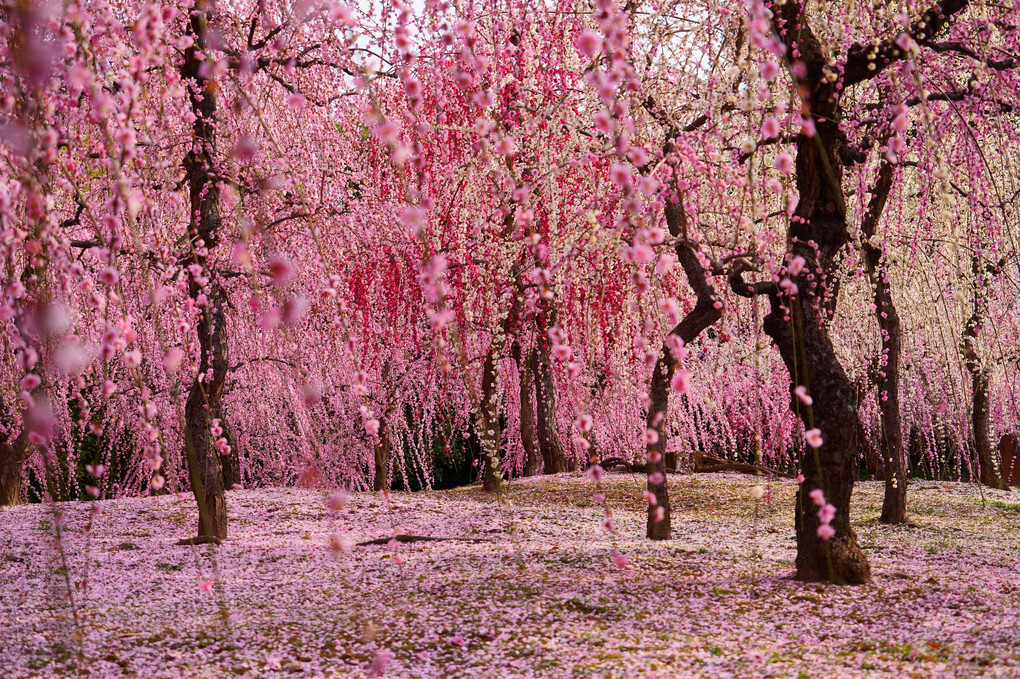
x,y
172,359
589,43
281,270
506,146
620,175
595,473
380,663
813,438
784,163
337,501
665,263
561,352
768,70
109,276
639,254
680,382
801,393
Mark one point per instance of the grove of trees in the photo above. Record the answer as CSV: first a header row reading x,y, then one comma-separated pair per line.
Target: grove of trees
x,y
408,245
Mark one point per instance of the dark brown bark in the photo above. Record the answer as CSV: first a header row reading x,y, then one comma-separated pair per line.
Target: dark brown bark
x,y
204,398
866,60
988,458
529,437
12,458
894,502
809,356
554,457
1009,457
708,464
204,466
872,455
990,473
818,231
707,311
382,458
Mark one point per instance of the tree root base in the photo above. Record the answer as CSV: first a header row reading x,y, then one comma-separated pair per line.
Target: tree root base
x,y
199,540
703,464
415,538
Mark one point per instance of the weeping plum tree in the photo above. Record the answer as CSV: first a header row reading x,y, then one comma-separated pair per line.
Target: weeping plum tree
x,y
504,156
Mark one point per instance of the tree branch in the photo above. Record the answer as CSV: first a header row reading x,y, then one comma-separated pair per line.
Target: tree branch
x,y
864,62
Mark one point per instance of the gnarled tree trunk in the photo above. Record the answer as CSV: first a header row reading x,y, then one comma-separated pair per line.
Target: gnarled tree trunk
x,y
204,398
529,438
554,457
797,322
811,361
12,458
707,311
204,466
382,457
991,468
981,425
894,503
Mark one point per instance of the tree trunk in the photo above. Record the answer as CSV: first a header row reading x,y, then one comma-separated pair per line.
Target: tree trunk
x,y
796,321
490,434
1009,457
529,439
382,458
811,360
204,398
12,458
554,457
706,312
991,468
204,466
870,454
981,426
894,503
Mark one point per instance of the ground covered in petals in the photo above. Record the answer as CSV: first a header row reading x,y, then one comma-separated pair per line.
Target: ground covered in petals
x,y
530,588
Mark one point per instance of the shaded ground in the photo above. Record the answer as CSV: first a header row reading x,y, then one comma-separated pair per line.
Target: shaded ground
x,y
541,597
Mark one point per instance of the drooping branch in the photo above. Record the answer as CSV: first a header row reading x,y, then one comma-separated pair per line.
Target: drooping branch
x,y
865,61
